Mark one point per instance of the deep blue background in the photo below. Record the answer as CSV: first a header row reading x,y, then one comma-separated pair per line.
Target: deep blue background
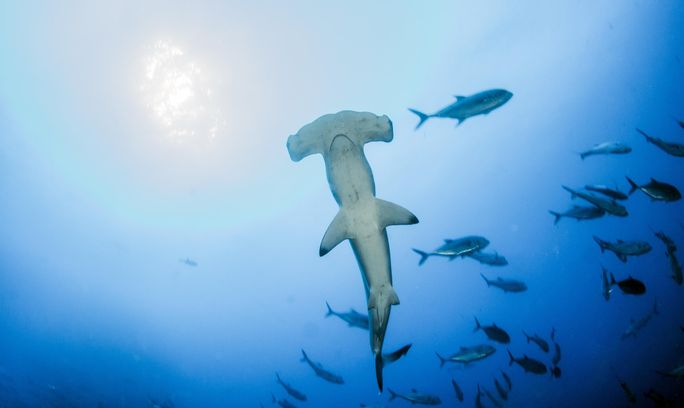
x,y
99,201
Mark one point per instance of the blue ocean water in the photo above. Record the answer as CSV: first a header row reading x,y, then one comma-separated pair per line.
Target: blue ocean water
x,y
158,245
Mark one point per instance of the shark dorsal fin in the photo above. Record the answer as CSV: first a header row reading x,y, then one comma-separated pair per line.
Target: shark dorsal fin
x,y
446,241
459,97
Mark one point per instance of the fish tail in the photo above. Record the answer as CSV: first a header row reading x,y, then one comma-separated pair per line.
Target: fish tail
x,y
485,279
557,215
330,311
510,355
379,364
572,192
633,186
477,325
601,243
423,256
422,116
644,134
442,361
393,394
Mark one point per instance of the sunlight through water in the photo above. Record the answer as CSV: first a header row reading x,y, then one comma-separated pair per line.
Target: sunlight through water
x,y
180,95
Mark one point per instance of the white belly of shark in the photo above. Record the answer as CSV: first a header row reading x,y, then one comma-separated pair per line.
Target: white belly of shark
x,y
362,218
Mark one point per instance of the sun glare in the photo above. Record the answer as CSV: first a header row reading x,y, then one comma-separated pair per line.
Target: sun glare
x,y
179,95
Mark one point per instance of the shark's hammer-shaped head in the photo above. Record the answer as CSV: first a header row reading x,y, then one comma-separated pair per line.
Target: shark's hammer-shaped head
x,y
359,127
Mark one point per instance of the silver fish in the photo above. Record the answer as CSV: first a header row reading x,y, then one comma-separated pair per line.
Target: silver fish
x,y
607,191
489,258
415,397
507,285
671,148
352,317
609,206
321,372
635,326
453,248
467,355
656,190
579,213
606,148
623,249
465,107
296,394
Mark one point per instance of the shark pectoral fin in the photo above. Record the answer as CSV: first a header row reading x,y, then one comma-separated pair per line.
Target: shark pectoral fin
x,y
337,232
392,214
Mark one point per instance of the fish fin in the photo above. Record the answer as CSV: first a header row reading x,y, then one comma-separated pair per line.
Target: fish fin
x,y
460,120
572,192
422,117
510,355
423,256
379,364
649,139
414,390
393,214
622,257
633,186
446,241
330,311
477,325
526,336
557,215
601,243
337,231
459,97
304,358
395,355
393,394
485,279
376,295
583,155
442,361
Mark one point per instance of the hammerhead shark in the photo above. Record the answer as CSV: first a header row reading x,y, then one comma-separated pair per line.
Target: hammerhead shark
x,y
362,218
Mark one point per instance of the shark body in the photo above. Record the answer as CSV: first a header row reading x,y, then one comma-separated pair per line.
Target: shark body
x,y
362,218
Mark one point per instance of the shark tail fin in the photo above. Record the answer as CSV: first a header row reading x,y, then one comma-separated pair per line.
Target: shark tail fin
x,y
423,256
330,311
557,216
379,364
601,243
393,394
442,360
633,186
510,356
478,326
422,116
